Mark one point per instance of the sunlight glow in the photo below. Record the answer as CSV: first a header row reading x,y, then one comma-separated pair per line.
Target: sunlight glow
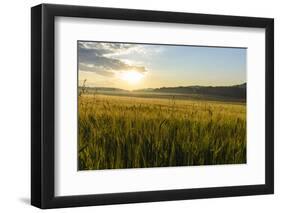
x,y
132,77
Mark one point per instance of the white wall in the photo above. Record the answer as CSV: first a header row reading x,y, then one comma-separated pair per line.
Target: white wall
x,y
15,105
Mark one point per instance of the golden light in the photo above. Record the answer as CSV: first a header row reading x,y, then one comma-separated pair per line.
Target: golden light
x,y
131,77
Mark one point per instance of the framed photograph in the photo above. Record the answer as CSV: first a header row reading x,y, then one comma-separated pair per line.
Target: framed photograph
x,y
140,106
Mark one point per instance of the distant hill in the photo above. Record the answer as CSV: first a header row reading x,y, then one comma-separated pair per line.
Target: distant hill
x,y
236,91
106,89
231,92
241,86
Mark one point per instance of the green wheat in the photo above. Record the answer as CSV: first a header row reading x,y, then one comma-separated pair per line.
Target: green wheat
x,y
126,132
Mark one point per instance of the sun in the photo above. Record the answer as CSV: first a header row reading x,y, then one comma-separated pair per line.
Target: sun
x,y
132,77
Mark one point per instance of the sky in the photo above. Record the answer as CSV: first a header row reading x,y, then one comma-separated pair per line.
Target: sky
x,y
136,66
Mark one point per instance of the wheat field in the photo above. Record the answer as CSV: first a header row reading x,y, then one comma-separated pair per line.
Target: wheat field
x,y
116,132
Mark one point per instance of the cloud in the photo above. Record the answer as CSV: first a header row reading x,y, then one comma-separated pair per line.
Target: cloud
x,y
102,59
97,69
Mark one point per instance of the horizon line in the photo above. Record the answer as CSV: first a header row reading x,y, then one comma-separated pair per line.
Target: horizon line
x,y
165,86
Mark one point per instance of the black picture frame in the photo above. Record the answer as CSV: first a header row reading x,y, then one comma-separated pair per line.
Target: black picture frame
x,y
43,105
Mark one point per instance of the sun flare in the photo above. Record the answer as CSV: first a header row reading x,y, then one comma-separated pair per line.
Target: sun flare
x,y
132,77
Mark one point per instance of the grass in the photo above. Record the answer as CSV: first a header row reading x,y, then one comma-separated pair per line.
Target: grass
x,y
132,132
